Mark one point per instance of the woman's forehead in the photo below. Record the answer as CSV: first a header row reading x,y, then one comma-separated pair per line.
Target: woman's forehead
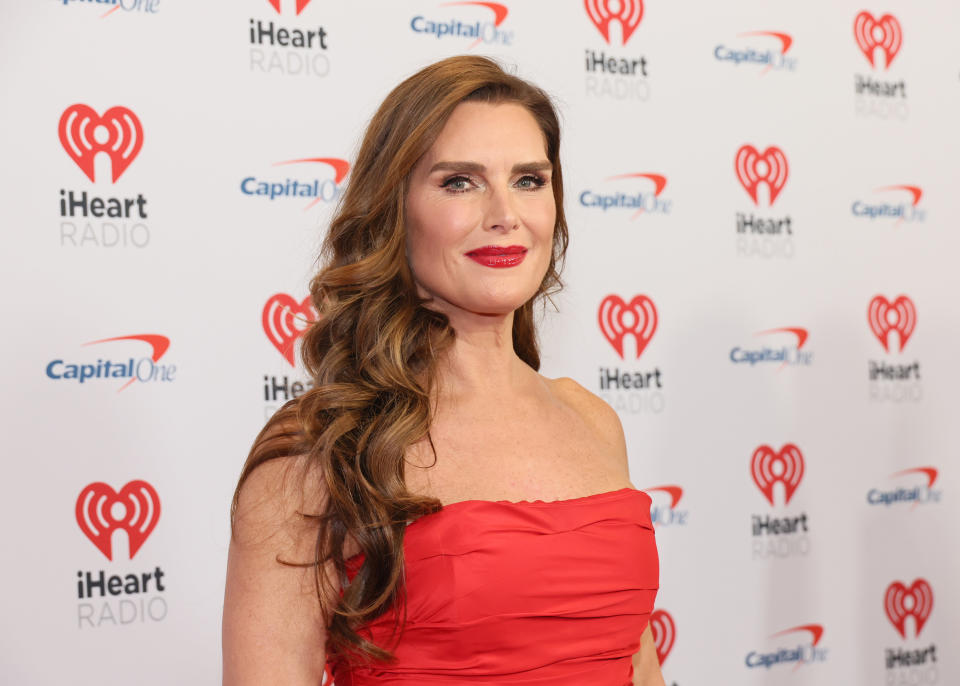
x,y
480,130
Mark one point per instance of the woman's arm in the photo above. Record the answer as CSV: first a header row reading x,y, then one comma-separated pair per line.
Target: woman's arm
x,y
646,667
273,631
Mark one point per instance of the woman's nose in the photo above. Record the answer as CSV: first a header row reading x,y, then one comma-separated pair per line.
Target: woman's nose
x,y
500,214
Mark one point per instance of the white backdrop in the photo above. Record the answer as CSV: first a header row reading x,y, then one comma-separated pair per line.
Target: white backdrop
x,y
806,513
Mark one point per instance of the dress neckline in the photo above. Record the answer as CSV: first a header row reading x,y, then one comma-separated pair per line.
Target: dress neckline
x,y
579,500
540,503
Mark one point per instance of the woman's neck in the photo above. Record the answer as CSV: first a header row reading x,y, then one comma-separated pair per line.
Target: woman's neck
x,y
481,360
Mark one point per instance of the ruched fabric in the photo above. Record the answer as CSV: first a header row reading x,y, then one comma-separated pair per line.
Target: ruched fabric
x,y
523,593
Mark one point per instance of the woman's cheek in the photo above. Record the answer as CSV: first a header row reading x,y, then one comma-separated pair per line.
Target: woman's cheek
x,y
452,221
542,222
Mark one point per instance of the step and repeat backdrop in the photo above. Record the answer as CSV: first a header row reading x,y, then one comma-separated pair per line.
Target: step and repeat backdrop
x,y
762,281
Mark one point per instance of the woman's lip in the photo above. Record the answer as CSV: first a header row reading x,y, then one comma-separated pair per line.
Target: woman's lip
x,y
498,256
494,250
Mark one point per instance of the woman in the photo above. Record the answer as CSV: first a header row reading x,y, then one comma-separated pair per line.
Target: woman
x,y
434,510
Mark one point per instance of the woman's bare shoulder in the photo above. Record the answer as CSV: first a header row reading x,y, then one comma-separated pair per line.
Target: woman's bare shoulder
x,y
272,499
279,483
594,411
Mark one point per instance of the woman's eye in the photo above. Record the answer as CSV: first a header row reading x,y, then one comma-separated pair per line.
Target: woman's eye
x,y
531,182
457,183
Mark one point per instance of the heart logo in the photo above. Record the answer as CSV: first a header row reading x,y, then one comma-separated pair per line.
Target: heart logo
x,y
275,4
118,130
885,32
285,320
101,511
627,12
769,167
768,468
664,633
884,317
617,319
919,597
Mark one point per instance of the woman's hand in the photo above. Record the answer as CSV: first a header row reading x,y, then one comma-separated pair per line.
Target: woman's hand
x,y
646,666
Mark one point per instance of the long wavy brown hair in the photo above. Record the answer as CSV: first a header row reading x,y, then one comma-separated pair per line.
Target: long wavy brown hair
x,y
373,351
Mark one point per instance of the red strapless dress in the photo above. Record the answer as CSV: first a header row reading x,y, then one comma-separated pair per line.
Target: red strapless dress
x,y
525,593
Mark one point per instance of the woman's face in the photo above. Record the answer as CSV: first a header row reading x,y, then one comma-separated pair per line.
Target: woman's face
x,y
480,211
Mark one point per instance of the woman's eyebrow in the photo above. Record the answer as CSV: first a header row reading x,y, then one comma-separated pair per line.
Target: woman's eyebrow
x,y
531,167
477,168
473,167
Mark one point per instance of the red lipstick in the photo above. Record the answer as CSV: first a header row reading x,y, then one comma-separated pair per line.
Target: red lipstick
x,y
498,255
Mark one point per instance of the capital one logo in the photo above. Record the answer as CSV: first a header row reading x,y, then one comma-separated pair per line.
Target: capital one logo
x,y
300,5
84,134
900,602
325,190
487,32
884,32
627,12
769,167
884,317
285,320
664,633
639,202
618,318
769,468
801,655
100,511
768,58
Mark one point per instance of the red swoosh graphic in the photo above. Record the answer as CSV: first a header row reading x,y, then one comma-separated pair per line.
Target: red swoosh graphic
x,y
783,37
499,11
929,471
675,493
340,167
815,629
659,180
916,191
109,12
801,334
157,342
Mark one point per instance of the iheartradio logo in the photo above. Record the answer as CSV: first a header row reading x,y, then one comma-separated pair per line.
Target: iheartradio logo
x,y
84,134
627,12
100,511
884,317
769,468
285,320
618,318
900,602
664,633
884,32
753,167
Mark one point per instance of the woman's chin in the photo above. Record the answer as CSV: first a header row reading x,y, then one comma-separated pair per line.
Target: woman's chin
x,y
493,308
480,303
499,308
